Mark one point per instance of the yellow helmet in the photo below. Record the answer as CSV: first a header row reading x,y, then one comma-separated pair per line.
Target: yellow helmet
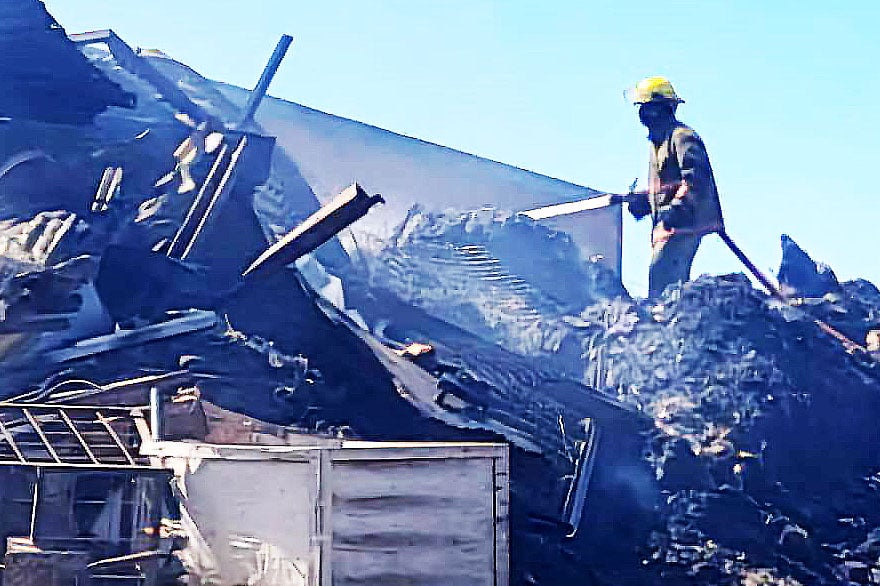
x,y
654,89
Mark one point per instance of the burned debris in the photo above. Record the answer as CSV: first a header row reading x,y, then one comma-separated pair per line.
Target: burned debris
x,y
211,377
53,82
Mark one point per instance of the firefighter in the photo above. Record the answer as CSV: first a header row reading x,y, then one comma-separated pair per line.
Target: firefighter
x,y
681,198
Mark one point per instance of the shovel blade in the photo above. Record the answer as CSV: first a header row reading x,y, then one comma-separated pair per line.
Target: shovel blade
x,y
564,209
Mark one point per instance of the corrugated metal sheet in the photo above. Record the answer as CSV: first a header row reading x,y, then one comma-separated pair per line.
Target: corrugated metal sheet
x,y
321,154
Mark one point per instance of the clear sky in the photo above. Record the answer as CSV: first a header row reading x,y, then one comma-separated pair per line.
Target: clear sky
x,y
784,93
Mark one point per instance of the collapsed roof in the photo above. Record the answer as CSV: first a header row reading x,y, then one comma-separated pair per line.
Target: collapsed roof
x,y
270,348
705,395
330,152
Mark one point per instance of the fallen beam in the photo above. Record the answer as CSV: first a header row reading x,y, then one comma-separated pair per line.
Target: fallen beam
x,y
191,322
344,210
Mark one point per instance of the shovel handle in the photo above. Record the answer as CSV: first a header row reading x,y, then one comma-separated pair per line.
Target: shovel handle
x,y
774,290
762,278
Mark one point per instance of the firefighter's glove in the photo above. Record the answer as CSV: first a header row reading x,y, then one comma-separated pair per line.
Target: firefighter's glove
x,y
676,216
639,206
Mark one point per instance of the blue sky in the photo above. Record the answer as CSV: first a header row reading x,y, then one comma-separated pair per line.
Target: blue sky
x,y
784,94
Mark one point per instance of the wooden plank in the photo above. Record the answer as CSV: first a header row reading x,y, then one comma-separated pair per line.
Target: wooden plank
x,y
111,408
325,507
191,322
416,451
36,499
346,208
575,500
84,466
218,196
501,474
341,450
12,443
197,202
414,521
265,79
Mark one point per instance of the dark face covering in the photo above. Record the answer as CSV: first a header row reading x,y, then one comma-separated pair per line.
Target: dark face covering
x,y
659,118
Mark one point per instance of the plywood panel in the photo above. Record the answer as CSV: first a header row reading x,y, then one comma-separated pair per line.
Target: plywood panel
x,y
378,513
256,517
414,522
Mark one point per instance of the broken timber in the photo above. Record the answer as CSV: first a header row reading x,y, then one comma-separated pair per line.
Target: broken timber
x,y
193,321
108,188
342,211
265,79
219,182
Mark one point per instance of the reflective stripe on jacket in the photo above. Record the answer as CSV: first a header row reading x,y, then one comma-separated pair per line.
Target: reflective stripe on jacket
x,y
681,158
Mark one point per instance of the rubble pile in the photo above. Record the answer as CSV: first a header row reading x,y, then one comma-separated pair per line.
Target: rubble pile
x,y
496,274
53,82
762,440
712,436
690,361
781,419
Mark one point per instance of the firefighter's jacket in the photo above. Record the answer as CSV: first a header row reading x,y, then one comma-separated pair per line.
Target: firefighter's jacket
x,y
680,175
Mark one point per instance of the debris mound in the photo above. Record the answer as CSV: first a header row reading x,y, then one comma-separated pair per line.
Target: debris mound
x,y
781,421
712,436
496,274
